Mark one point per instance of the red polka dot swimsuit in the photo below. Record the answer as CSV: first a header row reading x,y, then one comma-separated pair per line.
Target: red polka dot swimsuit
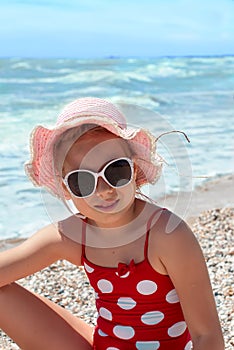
x,y
138,308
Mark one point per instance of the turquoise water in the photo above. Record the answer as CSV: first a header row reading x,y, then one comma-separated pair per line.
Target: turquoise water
x,y
192,94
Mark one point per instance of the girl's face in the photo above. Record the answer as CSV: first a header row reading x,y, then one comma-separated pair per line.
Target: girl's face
x,y
107,205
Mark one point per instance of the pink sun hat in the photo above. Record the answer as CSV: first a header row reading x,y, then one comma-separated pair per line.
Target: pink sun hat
x,y
41,169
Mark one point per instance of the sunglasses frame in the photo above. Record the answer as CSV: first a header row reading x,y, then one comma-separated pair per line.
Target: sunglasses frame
x,y
96,175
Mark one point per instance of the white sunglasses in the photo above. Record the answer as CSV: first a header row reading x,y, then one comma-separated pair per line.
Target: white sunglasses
x,y
117,173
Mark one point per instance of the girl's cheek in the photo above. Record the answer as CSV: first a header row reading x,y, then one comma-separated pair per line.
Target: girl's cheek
x,y
66,193
80,204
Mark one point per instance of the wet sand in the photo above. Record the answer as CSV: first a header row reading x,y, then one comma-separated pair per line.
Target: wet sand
x,y
215,193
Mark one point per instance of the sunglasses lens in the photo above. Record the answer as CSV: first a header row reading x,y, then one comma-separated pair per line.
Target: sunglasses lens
x,y
81,183
119,173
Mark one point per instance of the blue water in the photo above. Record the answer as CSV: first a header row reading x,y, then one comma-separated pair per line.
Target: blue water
x,y
192,94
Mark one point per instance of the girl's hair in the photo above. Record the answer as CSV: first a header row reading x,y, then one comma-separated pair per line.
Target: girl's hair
x,y
69,137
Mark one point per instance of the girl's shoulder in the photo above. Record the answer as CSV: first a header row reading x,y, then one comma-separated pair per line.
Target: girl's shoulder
x,y
165,222
168,226
168,233
71,228
70,231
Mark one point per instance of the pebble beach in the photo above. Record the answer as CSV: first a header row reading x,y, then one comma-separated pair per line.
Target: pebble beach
x,y
68,286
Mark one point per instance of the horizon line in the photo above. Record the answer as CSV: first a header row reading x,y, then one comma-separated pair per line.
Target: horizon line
x,y
113,57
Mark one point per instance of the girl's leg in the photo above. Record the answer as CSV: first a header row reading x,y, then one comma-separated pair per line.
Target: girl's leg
x,y
36,323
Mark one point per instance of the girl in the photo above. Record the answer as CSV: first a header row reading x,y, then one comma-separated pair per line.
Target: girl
x,y
152,286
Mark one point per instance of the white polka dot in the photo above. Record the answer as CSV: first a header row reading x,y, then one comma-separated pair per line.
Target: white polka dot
x,y
124,332
172,297
103,312
126,303
152,317
123,276
105,286
146,287
88,268
147,345
177,329
102,334
111,348
189,346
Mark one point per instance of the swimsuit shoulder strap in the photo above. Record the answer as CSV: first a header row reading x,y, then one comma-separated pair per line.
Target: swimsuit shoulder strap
x,y
83,236
148,227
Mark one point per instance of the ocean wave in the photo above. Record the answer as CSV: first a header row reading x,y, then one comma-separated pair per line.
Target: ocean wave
x,y
165,71
140,100
74,77
54,70
22,65
211,60
144,74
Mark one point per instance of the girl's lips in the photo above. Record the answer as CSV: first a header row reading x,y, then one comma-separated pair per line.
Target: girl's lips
x,y
107,207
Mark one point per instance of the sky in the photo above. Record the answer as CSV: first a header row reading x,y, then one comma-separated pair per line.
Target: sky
x,y
122,28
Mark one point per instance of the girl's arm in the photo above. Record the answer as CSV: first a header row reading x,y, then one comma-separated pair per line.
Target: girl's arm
x,y
182,257
42,249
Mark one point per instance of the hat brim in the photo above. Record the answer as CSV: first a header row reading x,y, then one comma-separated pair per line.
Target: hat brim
x,y
40,168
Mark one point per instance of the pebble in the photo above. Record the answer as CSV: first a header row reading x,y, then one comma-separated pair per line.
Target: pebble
x,y
68,286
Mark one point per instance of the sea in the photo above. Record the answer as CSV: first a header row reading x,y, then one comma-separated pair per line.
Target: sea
x,y
191,94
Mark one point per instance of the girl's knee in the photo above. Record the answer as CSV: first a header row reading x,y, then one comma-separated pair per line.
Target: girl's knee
x,y
8,288
3,289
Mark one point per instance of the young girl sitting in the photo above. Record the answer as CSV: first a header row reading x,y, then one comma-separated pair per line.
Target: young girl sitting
x,y
152,285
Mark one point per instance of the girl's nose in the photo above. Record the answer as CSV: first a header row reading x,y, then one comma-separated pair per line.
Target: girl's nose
x,y
103,187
